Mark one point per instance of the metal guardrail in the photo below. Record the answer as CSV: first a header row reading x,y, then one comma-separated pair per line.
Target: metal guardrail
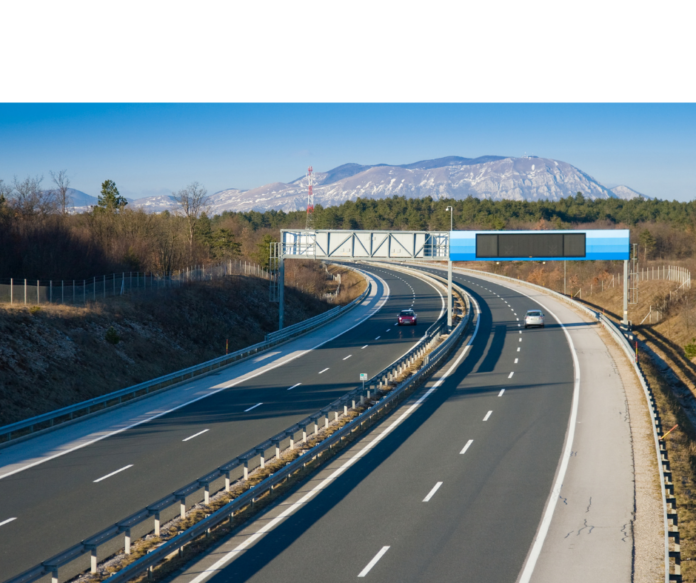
x,y
339,407
623,337
48,420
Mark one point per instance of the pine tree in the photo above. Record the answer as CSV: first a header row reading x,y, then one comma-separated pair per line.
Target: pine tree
x,y
110,200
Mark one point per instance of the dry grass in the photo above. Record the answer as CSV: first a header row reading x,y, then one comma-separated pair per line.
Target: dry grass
x,y
54,356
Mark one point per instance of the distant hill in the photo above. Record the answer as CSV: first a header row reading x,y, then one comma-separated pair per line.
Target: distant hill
x,y
487,177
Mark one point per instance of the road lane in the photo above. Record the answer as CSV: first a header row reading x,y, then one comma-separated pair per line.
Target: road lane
x,y
60,492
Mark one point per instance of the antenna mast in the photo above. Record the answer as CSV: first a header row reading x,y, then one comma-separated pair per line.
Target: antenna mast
x,y
310,199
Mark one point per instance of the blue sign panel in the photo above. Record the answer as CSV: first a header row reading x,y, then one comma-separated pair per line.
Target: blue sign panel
x,y
539,245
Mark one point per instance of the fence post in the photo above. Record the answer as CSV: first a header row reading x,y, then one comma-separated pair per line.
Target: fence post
x,y
38,300
25,292
11,290
62,291
104,283
50,291
113,275
73,292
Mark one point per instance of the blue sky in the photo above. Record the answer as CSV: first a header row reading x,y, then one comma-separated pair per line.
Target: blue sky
x,y
150,149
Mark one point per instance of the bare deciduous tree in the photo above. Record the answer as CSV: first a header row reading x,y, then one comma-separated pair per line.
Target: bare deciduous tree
x,y
193,202
62,194
28,199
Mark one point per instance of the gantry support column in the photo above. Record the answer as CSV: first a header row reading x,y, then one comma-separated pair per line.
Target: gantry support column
x,y
625,294
281,291
449,293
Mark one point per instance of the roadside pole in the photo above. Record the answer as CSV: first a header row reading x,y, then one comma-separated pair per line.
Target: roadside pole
x,y
449,293
625,293
281,291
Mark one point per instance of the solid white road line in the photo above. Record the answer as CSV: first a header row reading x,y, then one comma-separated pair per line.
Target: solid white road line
x,y
347,357
196,434
512,373
436,487
4,522
323,371
488,415
467,446
226,558
500,394
113,473
293,386
373,562
379,304
254,407
364,347
516,360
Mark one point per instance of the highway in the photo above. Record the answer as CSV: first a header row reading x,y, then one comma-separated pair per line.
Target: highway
x,y
455,492
64,500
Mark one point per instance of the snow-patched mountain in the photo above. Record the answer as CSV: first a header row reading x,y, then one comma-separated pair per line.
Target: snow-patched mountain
x,y
488,177
495,178
627,193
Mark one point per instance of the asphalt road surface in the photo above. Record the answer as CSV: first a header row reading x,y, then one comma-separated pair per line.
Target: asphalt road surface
x,y
60,502
453,493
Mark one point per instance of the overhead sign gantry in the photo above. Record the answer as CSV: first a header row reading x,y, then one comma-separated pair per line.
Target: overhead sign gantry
x,y
577,245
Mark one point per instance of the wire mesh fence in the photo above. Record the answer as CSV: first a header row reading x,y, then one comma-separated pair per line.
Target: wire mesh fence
x,y
79,292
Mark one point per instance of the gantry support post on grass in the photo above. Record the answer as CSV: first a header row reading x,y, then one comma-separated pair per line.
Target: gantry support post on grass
x,y
625,293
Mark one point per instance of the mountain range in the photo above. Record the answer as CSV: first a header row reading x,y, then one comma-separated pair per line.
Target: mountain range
x,y
488,177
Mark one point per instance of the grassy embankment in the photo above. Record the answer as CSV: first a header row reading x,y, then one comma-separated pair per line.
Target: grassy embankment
x,y
53,356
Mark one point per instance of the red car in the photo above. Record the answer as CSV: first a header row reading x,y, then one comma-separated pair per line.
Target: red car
x,y
407,317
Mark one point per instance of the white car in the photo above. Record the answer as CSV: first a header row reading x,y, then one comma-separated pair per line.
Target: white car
x,y
534,318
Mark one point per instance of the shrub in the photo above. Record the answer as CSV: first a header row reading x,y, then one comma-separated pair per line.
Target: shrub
x,y
112,336
34,310
690,349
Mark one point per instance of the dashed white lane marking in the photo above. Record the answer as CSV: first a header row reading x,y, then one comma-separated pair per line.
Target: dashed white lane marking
x,y
323,371
373,562
512,373
388,329
364,347
113,473
488,415
378,337
254,407
294,386
4,522
196,434
467,446
518,348
500,394
436,487
347,357
516,360
520,333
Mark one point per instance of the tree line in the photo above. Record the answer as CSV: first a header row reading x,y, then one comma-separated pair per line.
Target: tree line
x,y
40,237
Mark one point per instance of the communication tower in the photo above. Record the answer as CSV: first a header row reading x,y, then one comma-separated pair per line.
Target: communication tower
x,y
310,199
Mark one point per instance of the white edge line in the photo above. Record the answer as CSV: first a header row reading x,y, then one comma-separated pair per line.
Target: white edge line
x,y
467,446
436,487
535,551
326,481
373,562
371,312
196,434
4,522
113,473
254,407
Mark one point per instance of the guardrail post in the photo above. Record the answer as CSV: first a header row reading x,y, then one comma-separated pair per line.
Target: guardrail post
x,y
206,495
227,481
246,469
262,458
93,558
127,542
304,434
54,575
182,507
157,523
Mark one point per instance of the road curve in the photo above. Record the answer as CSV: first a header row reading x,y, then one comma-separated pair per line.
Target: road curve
x,y
67,499
453,493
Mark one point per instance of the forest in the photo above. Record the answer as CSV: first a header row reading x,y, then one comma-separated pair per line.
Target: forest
x,y
41,238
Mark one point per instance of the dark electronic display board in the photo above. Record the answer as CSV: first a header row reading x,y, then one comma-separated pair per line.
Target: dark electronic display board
x,y
530,245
